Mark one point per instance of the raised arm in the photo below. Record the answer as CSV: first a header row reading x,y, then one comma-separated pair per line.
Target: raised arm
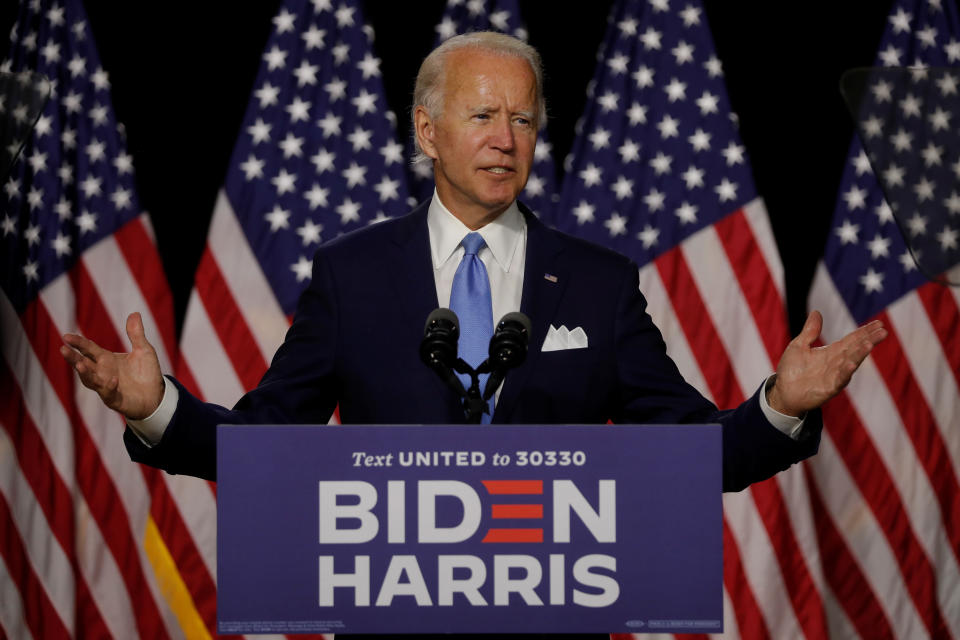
x,y
130,383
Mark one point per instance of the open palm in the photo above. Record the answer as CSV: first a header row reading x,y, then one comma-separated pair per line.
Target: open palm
x,y
808,376
130,383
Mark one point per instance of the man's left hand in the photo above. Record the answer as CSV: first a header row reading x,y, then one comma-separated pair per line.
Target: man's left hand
x,y
808,376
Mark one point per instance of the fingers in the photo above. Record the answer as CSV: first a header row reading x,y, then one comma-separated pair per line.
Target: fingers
x,y
845,368
872,333
857,345
811,329
74,358
876,332
87,347
85,367
858,352
83,363
135,331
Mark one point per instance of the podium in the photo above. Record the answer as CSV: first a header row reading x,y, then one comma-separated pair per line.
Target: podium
x,y
469,529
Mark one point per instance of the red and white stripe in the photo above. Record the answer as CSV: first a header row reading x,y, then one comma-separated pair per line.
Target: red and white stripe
x,y
718,299
232,328
889,464
75,508
234,323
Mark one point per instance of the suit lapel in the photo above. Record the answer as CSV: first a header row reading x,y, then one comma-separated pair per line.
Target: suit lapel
x,y
544,281
412,271
416,293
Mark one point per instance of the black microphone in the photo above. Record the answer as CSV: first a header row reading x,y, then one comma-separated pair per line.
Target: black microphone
x,y
438,349
508,348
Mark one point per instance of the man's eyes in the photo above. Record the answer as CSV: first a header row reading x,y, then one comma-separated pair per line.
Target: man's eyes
x,y
520,120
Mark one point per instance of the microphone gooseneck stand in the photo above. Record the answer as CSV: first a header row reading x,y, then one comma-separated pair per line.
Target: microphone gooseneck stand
x,y
508,349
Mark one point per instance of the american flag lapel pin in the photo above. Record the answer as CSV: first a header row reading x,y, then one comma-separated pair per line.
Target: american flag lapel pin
x,y
550,277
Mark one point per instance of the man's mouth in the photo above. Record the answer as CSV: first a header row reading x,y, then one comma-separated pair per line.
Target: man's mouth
x,y
498,170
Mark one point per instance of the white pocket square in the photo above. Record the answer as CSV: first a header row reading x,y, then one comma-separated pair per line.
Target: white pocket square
x,y
563,338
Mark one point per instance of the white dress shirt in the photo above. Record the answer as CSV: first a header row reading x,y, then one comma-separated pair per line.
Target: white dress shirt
x,y
503,256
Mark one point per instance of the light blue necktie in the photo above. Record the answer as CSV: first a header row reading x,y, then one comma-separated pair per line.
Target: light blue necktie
x,y
470,300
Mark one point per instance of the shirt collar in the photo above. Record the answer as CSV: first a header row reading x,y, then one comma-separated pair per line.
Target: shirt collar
x,y
502,236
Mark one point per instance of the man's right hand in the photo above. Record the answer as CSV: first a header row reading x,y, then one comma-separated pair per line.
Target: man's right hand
x,y
130,383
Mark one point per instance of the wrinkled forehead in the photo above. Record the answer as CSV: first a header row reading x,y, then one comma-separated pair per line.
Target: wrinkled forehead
x,y
478,76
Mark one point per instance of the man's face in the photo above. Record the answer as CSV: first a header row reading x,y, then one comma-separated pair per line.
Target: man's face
x,y
483,142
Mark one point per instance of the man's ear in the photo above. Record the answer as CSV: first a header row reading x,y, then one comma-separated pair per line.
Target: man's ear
x,y
425,129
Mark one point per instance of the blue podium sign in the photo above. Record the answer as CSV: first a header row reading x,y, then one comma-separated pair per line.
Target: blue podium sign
x,y
469,529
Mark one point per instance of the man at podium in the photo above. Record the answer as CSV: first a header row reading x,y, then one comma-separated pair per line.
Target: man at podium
x,y
595,355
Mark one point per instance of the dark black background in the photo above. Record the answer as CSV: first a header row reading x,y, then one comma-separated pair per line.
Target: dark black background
x,y
182,73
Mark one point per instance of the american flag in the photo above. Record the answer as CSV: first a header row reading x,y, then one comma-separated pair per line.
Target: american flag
x,y
658,173
86,537
886,499
463,16
316,156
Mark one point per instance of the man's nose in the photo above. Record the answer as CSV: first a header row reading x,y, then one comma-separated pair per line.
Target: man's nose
x,y
502,135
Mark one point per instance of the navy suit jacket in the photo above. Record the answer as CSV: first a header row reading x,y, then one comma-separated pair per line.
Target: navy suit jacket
x,y
356,333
